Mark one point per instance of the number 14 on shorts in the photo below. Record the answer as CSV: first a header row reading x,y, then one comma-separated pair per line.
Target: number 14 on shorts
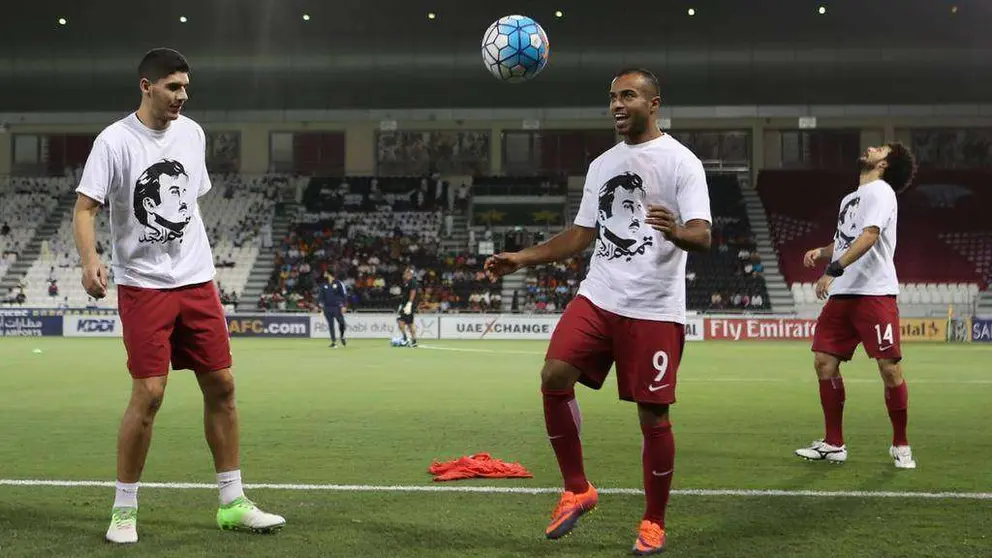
x,y
884,335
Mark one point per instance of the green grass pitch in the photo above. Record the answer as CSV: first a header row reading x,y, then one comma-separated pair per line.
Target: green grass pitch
x,y
374,415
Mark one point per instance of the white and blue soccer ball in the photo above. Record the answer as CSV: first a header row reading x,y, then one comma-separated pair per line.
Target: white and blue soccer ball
x,y
515,48
397,342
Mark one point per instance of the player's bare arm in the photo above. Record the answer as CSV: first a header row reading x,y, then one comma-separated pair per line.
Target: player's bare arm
x,y
94,278
694,236
818,255
568,243
864,242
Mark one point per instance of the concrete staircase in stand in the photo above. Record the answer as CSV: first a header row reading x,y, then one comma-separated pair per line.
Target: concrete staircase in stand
x,y
265,263
780,297
46,231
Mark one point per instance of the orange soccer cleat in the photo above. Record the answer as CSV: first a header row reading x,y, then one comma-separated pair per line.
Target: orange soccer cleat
x,y
568,511
650,539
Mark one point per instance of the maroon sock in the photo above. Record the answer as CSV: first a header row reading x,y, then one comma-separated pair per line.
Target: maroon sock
x,y
832,398
897,402
658,458
564,423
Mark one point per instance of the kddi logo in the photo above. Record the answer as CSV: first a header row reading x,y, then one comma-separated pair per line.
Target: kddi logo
x,y
95,326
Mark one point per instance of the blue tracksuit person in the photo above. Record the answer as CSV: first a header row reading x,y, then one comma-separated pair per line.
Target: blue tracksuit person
x,y
332,298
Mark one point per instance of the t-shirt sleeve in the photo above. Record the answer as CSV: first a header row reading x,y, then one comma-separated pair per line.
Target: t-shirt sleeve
x,y
692,192
99,172
205,184
589,206
876,207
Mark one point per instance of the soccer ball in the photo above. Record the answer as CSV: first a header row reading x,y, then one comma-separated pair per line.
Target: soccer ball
x,y
397,342
515,48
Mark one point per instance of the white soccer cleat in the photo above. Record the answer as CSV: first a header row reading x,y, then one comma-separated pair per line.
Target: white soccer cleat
x,y
123,526
903,457
243,515
822,451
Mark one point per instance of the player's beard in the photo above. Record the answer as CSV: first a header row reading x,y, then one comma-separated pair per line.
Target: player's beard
x,y
637,123
865,165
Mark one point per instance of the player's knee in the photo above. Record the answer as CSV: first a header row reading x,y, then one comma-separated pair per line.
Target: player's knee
x,y
651,414
147,397
218,388
827,366
558,375
891,372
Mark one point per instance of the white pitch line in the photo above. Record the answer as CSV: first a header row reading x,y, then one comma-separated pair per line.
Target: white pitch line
x,y
464,350
516,489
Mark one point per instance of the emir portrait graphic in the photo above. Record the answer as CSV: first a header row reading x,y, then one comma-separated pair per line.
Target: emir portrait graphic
x,y
847,228
620,218
160,201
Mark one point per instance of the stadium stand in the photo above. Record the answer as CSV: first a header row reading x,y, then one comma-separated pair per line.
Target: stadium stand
x,y
369,251
236,212
944,255
518,186
401,193
27,204
549,288
366,230
730,276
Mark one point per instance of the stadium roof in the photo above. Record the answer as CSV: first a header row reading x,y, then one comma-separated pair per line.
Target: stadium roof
x,y
372,53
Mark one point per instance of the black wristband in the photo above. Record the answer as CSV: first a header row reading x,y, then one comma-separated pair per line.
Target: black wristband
x,y
834,269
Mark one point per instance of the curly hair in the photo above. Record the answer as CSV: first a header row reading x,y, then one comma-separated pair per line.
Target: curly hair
x,y
901,167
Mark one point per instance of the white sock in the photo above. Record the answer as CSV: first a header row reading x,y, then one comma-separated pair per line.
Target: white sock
x,y
127,495
230,486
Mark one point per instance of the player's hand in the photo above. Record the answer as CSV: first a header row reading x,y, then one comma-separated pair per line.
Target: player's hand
x,y
502,264
408,308
812,257
95,280
661,219
823,286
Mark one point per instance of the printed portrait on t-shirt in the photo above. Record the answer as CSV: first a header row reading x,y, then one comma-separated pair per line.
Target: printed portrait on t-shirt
x,y
620,228
160,201
847,227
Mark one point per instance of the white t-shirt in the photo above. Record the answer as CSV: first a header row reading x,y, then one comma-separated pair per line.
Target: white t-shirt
x,y
871,205
634,271
150,180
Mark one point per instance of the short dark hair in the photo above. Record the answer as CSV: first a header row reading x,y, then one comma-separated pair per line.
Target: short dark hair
x,y
902,167
148,186
607,192
162,62
646,74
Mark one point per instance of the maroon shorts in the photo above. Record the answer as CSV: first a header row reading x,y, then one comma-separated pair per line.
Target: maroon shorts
x,y
848,320
647,352
185,325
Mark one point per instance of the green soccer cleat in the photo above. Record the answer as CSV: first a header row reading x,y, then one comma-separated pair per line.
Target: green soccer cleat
x,y
123,526
243,515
